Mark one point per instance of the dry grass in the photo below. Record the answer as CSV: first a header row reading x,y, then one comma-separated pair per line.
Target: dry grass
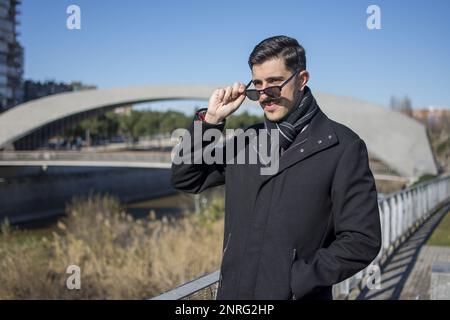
x,y
119,257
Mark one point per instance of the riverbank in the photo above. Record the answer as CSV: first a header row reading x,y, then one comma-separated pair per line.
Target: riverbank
x,y
119,256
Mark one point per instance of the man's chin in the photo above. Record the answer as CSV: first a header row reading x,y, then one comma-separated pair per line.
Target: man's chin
x,y
273,116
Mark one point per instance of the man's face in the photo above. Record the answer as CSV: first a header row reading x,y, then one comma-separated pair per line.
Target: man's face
x,y
274,73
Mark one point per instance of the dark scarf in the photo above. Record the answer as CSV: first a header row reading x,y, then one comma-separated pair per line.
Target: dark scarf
x,y
295,120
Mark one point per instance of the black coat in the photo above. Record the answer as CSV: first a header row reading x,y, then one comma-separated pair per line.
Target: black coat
x,y
296,233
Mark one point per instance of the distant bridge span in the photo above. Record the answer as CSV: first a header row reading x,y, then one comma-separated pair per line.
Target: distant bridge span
x,y
393,138
151,160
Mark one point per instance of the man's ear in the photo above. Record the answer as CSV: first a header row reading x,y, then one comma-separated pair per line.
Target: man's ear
x,y
303,78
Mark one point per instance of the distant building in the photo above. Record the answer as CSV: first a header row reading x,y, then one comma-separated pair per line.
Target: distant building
x,y
431,111
36,89
11,56
432,115
125,110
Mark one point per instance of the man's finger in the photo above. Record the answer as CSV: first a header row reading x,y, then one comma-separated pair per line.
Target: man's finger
x,y
220,94
227,95
235,92
240,100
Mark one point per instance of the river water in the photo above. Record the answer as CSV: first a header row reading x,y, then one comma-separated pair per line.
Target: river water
x,y
33,197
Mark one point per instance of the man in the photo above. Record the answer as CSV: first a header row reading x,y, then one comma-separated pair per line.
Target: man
x,y
312,224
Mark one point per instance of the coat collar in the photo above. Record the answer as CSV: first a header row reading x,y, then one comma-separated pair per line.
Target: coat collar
x,y
319,136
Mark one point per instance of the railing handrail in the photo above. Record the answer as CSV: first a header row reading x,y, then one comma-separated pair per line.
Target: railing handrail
x,y
414,186
190,287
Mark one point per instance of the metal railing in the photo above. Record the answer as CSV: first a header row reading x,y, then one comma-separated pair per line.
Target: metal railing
x,y
204,288
401,213
75,158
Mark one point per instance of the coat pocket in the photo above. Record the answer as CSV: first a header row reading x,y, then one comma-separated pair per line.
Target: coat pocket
x,y
293,259
226,246
222,262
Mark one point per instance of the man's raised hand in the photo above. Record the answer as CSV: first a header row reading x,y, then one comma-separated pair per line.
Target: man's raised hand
x,y
224,101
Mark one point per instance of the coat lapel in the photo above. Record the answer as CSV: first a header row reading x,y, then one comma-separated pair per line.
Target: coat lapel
x,y
319,136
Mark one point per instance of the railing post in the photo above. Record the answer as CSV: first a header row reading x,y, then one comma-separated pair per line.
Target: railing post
x,y
345,287
408,210
417,209
411,209
401,218
415,206
393,220
380,210
422,202
387,225
399,215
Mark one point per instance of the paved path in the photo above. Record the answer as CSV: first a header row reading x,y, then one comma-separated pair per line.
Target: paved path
x,y
418,284
407,273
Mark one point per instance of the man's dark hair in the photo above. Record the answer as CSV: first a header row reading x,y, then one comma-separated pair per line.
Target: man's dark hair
x,y
279,47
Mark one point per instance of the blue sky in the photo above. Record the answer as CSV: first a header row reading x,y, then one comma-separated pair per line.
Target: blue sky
x,y
123,43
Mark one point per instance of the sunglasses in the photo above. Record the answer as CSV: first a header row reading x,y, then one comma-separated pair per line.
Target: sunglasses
x,y
273,92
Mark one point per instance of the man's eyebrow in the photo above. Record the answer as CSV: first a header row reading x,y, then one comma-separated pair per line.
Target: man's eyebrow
x,y
279,78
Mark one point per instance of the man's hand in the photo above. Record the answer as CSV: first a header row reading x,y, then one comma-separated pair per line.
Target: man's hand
x,y
224,101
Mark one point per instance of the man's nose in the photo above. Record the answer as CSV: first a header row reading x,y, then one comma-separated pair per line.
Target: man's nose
x,y
263,96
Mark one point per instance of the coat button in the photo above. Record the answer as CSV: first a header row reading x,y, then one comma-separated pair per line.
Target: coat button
x,y
319,142
301,150
330,136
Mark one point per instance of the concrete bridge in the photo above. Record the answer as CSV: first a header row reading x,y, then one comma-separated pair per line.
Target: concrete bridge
x,y
396,140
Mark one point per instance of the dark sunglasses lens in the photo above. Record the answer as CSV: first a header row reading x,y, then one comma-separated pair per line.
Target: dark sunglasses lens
x,y
252,94
273,92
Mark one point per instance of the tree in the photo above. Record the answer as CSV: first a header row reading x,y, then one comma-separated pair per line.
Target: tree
x,y
401,105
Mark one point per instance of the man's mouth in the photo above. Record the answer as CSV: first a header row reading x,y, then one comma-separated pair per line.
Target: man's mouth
x,y
269,105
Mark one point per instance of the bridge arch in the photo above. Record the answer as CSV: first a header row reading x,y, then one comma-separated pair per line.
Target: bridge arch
x,y
395,139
